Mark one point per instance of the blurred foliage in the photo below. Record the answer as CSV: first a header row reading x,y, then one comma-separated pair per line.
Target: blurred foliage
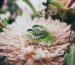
x,y
1,3
57,4
12,8
69,58
69,18
2,11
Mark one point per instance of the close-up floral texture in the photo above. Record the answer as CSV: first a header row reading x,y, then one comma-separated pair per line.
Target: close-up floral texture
x,y
40,32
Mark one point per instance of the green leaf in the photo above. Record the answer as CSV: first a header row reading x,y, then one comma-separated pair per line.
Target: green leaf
x,y
2,11
70,57
57,4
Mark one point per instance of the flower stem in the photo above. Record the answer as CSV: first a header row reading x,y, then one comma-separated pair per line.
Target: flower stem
x,y
32,7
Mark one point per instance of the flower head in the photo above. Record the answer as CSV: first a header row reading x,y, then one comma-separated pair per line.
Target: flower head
x,y
18,45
